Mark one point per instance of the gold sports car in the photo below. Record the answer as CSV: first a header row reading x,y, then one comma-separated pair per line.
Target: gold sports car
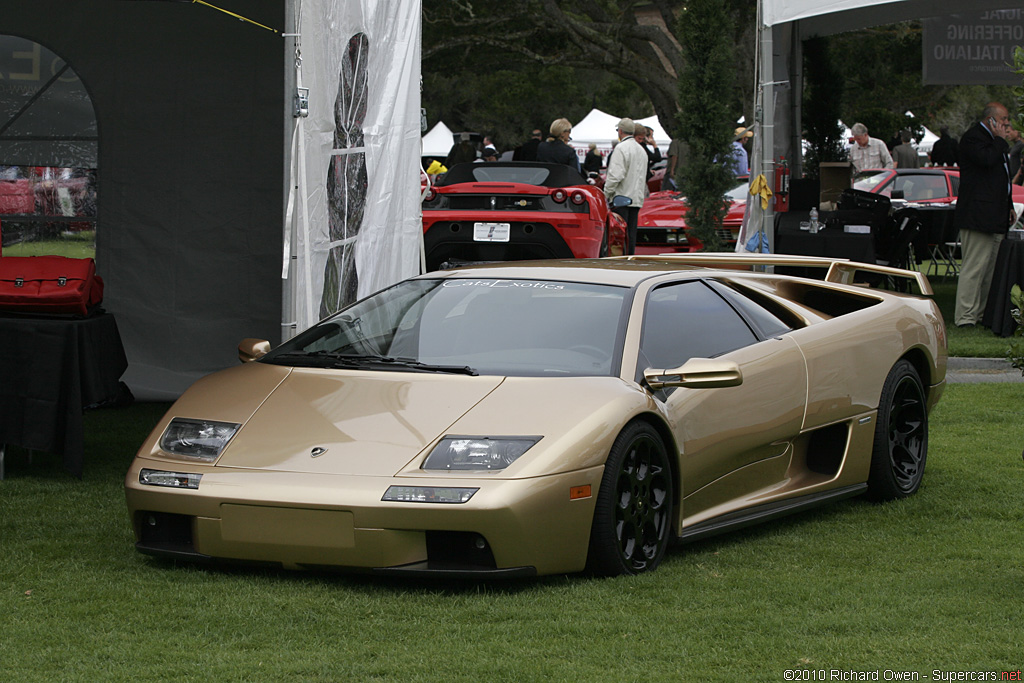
x,y
522,418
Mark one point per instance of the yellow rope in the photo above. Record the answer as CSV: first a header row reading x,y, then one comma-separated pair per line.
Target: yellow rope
x,y
237,16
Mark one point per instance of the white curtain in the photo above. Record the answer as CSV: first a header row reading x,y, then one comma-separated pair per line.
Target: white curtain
x,y
354,220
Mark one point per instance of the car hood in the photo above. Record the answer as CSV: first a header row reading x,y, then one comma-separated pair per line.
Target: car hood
x,y
366,423
668,210
663,212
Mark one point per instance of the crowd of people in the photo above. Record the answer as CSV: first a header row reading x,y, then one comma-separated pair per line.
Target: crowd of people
x,y
868,152
989,156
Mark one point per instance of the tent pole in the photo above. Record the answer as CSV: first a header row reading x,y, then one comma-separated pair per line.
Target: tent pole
x,y
768,127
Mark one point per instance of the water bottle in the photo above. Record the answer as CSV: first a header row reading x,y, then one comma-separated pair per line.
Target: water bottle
x,y
814,219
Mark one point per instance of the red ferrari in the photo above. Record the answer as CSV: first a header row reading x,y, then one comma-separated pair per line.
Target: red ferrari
x,y
933,185
514,211
661,226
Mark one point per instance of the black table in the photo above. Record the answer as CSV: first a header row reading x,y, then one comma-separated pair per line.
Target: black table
x,y
831,242
1009,271
50,370
937,230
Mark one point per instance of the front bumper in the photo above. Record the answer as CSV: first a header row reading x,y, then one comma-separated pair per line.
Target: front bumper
x,y
511,527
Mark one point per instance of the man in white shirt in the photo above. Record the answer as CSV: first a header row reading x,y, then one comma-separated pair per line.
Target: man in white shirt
x,y
868,152
627,176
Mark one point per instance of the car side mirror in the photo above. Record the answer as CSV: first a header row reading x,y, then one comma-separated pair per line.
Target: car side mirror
x,y
621,200
696,373
252,349
896,194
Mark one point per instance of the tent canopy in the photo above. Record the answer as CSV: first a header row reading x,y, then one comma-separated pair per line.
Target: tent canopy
x,y
599,127
826,17
437,142
220,215
784,25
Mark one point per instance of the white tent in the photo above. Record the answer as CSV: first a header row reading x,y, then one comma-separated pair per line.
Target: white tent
x,y
599,127
924,146
660,136
438,141
783,25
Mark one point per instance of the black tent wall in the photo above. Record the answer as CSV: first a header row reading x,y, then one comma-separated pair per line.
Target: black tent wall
x,y
192,112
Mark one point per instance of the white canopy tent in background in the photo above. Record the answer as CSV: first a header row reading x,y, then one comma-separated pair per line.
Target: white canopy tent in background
x,y
353,222
783,26
438,141
599,127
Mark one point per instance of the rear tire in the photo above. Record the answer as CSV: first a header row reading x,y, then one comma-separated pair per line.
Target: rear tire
x,y
633,514
901,436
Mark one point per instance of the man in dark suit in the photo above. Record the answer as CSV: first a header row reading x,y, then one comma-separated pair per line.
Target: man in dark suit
x,y
944,149
984,211
528,150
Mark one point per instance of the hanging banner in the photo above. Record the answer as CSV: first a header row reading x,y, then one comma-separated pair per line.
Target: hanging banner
x,y
357,226
972,48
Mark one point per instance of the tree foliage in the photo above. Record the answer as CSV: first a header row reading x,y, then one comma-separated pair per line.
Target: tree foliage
x,y
1016,351
626,39
882,80
822,106
704,117
1018,90
508,103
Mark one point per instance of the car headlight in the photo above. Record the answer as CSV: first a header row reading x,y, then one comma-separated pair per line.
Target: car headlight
x,y
198,439
477,452
174,480
428,494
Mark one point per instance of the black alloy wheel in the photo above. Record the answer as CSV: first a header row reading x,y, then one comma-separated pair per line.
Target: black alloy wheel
x,y
632,516
901,436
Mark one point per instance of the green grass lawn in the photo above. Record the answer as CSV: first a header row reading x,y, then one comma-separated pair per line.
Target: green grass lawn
x,y
975,342
932,582
71,244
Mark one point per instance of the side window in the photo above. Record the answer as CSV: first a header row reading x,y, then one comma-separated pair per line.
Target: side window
x,y
921,187
688,320
758,310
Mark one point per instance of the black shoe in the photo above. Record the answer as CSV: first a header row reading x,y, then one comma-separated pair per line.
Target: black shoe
x,y
966,325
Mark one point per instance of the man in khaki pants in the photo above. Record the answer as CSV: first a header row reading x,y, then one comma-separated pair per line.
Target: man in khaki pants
x,y
984,211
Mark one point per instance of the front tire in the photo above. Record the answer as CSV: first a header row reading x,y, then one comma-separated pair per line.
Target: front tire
x,y
633,514
901,436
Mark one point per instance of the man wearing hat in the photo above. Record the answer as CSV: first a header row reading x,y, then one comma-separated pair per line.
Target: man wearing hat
x,y
739,161
627,176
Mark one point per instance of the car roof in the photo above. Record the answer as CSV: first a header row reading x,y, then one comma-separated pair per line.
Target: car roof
x,y
629,271
620,272
911,171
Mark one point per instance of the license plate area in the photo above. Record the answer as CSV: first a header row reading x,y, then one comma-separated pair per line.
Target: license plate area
x,y
491,232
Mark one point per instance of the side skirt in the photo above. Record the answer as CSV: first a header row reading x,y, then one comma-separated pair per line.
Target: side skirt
x,y
768,511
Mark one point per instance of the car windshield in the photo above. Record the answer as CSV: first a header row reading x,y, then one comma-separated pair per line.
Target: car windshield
x,y
532,173
476,326
869,180
738,193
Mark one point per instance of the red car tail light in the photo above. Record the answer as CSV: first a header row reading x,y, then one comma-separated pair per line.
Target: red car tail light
x,y
431,195
559,196
578,197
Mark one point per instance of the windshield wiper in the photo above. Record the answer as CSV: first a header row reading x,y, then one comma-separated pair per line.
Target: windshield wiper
x,y
347,360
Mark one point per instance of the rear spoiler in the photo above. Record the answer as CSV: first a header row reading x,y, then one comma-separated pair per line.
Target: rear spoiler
x,y
840,270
